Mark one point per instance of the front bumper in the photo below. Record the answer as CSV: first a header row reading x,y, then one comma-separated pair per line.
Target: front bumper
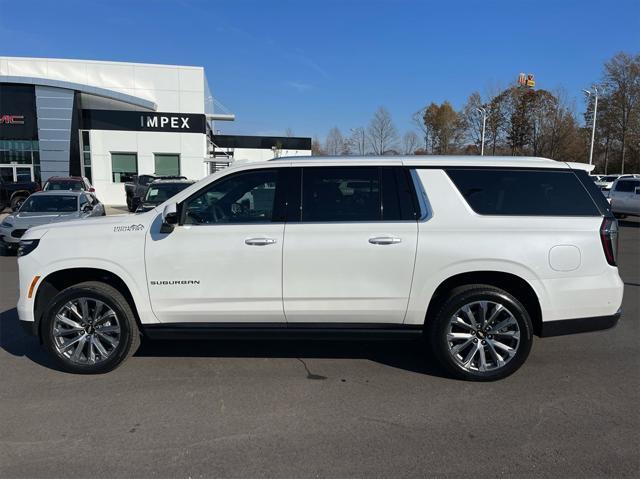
x,y
579,325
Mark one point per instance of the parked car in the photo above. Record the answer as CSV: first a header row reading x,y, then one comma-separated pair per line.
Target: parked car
x,y
158,192
475,254
47,207
625,196
69,183
607,182
13,193
138,187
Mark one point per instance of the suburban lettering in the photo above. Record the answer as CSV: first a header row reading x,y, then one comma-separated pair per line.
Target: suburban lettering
x,y
174,282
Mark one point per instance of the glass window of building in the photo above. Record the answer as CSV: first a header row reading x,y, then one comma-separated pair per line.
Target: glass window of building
x,y
167,164
124,166
86,156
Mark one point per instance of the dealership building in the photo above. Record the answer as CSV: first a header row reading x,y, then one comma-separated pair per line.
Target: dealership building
x,y
109,121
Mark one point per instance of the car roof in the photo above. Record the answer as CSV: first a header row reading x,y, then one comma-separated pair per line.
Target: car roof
x,y
435,161
58,193
65,178
175,181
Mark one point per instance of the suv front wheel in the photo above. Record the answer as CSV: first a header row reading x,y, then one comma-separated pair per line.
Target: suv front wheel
x,y
481,333
89,328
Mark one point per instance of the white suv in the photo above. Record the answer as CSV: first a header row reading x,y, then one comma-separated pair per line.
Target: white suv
x,y
475,254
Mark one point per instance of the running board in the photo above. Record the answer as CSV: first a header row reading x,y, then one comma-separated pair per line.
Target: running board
x,y
319,331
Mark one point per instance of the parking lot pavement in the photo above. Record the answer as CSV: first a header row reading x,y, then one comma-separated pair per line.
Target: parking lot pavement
x,y
324,409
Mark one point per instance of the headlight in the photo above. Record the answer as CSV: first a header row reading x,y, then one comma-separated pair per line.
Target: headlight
x,y
27,246
7,224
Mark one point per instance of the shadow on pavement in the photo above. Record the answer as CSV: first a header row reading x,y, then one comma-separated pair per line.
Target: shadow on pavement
x,y
16,341
409,355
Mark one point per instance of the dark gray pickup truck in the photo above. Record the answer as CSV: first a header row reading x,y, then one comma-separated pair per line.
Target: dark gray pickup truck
x,y
13,193
138,187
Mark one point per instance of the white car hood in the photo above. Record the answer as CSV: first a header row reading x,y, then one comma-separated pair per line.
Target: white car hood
x,y
134,222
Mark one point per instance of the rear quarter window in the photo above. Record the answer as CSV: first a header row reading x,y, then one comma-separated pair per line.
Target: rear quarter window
x,y
523,192
626,186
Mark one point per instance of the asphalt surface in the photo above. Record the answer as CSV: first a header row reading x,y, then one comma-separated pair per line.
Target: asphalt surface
x,y
324,409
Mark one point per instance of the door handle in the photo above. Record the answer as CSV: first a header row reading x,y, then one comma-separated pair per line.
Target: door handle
x,y
259,241
383,240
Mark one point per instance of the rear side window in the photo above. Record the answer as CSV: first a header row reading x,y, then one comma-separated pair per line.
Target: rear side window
x,y
341,194
353,194
523,192
626,186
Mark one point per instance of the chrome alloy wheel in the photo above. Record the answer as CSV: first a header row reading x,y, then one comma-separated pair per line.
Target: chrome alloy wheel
x,y
483,336
86,331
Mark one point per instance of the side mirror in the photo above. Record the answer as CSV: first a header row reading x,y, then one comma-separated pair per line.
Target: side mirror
x,y
169,218
86,208
638,190
135,202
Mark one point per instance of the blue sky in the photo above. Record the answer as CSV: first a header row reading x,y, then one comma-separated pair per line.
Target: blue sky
x,y
309,65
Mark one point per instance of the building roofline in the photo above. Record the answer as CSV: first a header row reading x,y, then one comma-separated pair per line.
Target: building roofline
x,y
79,60
88,89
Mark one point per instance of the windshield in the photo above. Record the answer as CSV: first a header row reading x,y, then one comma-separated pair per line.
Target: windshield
x,y
50,204
63,185
157,194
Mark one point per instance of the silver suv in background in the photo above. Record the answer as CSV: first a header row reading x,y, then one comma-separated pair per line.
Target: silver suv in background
x,y
625,196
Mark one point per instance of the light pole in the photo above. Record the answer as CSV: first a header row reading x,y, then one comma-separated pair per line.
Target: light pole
x,y
482,111
595,113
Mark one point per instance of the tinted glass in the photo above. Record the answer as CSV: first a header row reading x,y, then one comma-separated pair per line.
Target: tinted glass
x,y
124,165
246,197
157,194
63,185
52,204
609,178
625,186
523,192
397,195
341,194
167,165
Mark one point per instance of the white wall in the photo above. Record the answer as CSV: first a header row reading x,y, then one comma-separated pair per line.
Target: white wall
x,y
176,89
251,154
190,146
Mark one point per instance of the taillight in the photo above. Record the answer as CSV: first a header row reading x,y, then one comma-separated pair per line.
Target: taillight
x,y
609,238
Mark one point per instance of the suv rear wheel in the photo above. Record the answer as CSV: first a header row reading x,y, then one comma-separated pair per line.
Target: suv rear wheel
x,y
481,333
90,328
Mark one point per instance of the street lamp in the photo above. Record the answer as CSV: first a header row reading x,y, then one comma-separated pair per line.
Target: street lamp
x,y
595,112
483,112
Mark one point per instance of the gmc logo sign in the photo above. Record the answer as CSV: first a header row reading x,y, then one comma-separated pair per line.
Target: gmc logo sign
x,y
11,119
161,121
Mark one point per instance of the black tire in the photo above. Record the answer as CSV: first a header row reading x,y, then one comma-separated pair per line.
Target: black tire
x,y
16,202
437,330
129,333
130,205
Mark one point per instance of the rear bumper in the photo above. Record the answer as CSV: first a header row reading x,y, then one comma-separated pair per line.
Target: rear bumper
x,y
579,325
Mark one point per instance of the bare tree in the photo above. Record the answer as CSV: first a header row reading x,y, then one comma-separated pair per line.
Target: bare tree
x,y
382,133
471,119
418,120
358,141
334,144
409,143
622,90
288,133
316,147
